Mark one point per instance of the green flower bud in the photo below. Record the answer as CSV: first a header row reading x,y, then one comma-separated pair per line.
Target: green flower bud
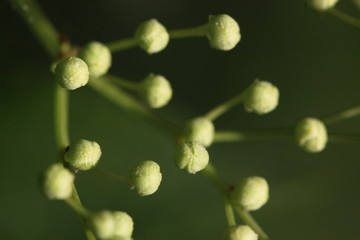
x,y
152,36
98,58
58,182
261,97
322,5
311,135
223,32
103,224
155,90
191,156
241,232
251,193
124,225
83,154
199,130
146,177
72,73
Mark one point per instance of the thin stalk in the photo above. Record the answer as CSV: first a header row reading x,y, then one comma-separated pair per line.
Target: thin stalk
x,y
224,107
229,212
345,17
122,44
61,109
264,134
342,115
112,176
78,208
344,138
214,177
124,82
199,31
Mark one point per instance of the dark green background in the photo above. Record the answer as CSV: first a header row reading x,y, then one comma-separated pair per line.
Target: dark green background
x,y
312,58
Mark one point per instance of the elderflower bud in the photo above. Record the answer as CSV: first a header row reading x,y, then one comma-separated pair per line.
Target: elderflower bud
x,y
199,130
155,90
146,177
72,73
251,193
191,156
223,32
98,58
261,97
311,135
322,5
58,182
124,225
83,154
152,36
241,232
103,224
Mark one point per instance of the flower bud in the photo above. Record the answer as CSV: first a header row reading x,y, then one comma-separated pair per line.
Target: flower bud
x,y
191,156
155,90
199,130
98,58
311,135
241,232
223,32
83,154
146,177
103,224
58,182
251,193
261,97
72,73
322,5
124,225
152,36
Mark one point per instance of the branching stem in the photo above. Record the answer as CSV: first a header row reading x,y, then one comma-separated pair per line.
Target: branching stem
x,y
342,115
265,134
224,107
345,17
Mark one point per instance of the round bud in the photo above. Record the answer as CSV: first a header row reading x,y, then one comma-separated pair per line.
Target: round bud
x,y
103,224
152,36
146,177
241,232
223,32
124,225
191,156
72,73
199,130
155,90
311,135
58,182
251,193
83,154
98,58
261,97
322,5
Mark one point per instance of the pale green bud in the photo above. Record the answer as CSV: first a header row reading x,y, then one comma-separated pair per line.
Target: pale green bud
x,y
83,154
155,90
58,182
311,135
98,58
241,232
322,5
146,177
199,130
251,193
261,97
152,36
72,73
124,225
223,32
191,156
103,224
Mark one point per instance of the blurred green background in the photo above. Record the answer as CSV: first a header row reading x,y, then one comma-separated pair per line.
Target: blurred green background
x,y
313,59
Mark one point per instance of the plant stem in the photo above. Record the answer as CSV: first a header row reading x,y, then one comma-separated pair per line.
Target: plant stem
x,y
61,109
344,138
112,176
122,44
211,173
250,221
345,17
125,101
78,208
224,107
229,212
199,31
124,82
265,134
342,115
39,25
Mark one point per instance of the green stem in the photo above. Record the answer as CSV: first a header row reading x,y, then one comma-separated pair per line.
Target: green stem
x,y
111,176
122,99
61,118
77,207
344,138
250,221
345,17
39,25
265,134
224,107
229,212
122,44
211,173
124,82
199,31
342,115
